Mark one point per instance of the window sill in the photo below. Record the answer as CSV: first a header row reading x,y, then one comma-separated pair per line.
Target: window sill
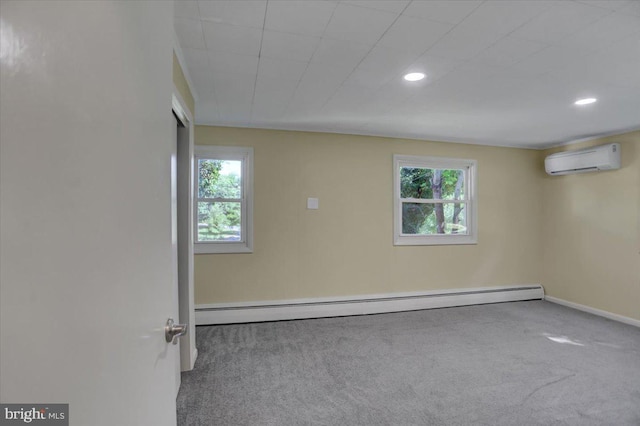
x,y
221,248
420,240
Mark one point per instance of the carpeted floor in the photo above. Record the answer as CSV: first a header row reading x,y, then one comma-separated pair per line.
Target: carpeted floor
x,y
522,363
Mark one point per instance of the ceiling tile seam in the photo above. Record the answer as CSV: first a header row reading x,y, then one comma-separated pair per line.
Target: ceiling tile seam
x,y
594,5
468,60
454,26
202,27
547,46
612,42
228,24
365,6
437,20
199,14
404,101
415,95
328,37
331,38
255,81
364,57
293,93
557,44
213,87
462,62
492,44
199,21
213,21
470,13
206,48
204,39
519,38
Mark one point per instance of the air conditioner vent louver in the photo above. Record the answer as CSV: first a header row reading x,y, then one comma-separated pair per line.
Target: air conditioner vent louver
x,y
603,157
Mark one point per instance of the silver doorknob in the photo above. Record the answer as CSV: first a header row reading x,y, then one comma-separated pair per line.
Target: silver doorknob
x,y
172,331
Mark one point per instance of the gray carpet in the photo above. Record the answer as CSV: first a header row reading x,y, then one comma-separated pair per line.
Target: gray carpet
x,y
522,363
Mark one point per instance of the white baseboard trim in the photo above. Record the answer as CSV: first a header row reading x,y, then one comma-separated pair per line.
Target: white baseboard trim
x,y
599,312
228,313
194,356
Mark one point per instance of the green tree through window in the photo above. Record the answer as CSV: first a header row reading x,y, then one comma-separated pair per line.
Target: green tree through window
x,y
432,184
223,201
219,200
435,200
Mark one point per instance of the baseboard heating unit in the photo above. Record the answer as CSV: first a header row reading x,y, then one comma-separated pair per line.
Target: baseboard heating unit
x,y
275,310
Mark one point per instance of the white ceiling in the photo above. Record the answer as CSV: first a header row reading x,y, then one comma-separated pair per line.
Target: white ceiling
x,y
498,72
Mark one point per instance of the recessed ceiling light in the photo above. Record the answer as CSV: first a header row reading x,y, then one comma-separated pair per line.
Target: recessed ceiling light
x,y
414,76
585,101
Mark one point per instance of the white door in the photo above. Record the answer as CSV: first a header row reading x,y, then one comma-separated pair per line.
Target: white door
x,y
86,136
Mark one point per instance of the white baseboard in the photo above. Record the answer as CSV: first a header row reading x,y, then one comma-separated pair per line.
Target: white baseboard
x,y
194,356
599,312
228,313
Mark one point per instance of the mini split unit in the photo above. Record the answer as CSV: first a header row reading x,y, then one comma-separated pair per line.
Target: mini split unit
x,y
597,158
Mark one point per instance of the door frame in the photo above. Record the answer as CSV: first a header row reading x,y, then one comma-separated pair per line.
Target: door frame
x,y
186,303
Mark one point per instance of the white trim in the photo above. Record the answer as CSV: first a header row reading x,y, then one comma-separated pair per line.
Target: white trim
x,y
539,146
275,310
194,357
183,64
590,138
222,247
594,311
179,108
186,298
470,168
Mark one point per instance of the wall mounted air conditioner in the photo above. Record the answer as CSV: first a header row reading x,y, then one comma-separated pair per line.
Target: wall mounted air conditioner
x,y
593,159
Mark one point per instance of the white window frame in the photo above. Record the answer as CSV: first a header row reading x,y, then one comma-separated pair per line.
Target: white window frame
x,y
470,168
234,153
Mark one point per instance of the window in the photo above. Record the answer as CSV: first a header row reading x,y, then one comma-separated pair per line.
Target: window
x,y
434,201
224,199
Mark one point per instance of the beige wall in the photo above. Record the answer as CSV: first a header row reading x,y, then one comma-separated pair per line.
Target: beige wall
x,y
181,84
345,247
591,230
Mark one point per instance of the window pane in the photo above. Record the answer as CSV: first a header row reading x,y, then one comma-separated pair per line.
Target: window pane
x,y
219,221
219,179
434,218
437,184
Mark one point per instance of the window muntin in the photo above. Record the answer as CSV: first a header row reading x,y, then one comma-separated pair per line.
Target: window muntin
x,y
223,199
434,201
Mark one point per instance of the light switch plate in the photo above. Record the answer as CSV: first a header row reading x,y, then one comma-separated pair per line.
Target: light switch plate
x,y
312,204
